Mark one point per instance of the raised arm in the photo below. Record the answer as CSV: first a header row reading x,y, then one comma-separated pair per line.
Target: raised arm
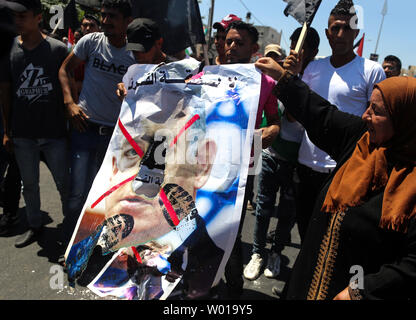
x,y
271,131
328,128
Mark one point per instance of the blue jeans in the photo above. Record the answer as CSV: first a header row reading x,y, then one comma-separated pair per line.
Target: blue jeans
x,y
87,154
27,152
275,174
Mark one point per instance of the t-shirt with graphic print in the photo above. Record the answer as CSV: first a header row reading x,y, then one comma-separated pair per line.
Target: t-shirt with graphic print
x,y
37,101
104,68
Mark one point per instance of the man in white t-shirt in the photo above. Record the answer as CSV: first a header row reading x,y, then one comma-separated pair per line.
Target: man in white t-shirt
x,y
344,79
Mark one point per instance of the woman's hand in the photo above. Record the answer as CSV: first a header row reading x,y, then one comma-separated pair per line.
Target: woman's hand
x,y
343,295
270,67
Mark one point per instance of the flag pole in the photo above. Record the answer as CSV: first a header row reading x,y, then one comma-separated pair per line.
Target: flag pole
x,y
57,25
383,13
211,18
302,37
208,44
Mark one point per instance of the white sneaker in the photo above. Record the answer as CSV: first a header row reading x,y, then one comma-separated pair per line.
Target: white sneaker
x,y
252,270
273,266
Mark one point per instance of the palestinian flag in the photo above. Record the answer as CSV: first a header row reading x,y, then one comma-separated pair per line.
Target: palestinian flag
x,y
71,38
71,22
360,45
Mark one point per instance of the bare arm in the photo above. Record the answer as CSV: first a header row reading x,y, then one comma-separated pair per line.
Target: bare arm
x,y
269,133
66,77
270,109
330,129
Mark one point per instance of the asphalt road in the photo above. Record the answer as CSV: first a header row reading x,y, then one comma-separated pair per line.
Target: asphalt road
x,y
32,273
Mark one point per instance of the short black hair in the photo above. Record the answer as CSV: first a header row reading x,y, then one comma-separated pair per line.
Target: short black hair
x,y
241,25
312,37
123,6
343,8
91,17
391,58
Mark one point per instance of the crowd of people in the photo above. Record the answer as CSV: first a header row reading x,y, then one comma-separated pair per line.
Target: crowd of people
x,y
337,136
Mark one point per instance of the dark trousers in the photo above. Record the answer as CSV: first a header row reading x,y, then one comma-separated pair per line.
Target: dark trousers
x,y
234,267
12,186
87,153
308,189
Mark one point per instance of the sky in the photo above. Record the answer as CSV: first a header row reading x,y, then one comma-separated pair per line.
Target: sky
x,y
397,35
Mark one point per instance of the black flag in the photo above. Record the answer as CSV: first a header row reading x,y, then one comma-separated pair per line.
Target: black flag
x,y
302,10
71,16
179,20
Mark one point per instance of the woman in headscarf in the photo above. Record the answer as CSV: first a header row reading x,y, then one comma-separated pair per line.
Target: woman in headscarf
x,y
361,241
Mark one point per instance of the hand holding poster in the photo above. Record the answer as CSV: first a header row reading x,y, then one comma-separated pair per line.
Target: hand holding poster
x,y
165,206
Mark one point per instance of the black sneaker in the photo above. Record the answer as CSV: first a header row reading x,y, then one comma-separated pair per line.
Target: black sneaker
x,y
7,221
28,237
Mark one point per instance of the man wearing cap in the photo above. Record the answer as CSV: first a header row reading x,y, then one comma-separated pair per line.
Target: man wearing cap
x,y
94,117
145,40
219,39
274,51
33,111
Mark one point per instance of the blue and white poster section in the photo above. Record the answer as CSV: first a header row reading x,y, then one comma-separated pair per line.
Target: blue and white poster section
x,y
166,203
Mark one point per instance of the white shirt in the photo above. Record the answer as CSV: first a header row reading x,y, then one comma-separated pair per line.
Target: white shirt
x,y
348,87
